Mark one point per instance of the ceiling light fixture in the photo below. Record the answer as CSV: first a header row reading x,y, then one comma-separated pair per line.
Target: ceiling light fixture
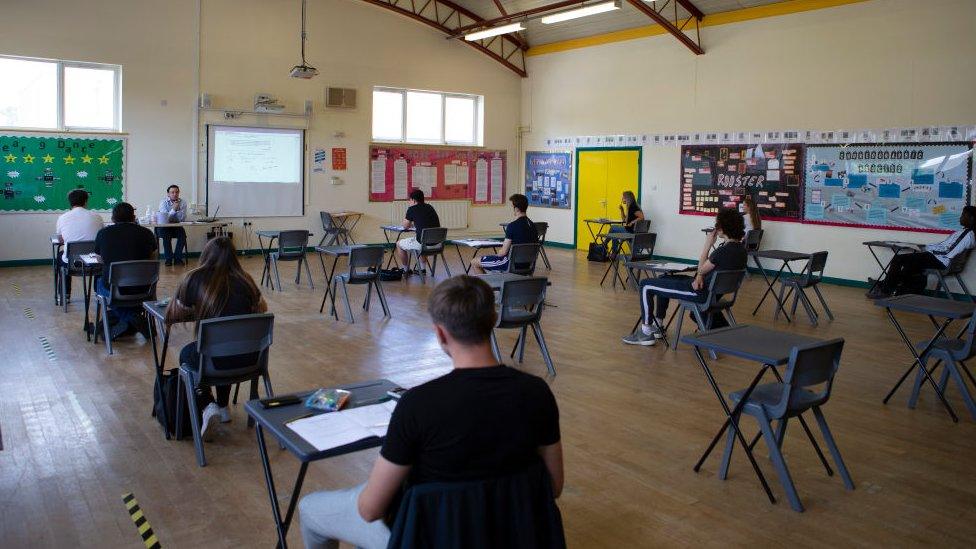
x,y
592,9
495,31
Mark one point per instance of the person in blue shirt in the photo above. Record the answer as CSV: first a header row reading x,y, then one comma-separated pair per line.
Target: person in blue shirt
x,y
175,209
520,231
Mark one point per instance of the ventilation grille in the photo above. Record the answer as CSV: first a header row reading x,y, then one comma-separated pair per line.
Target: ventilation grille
x,y
340,98
452,213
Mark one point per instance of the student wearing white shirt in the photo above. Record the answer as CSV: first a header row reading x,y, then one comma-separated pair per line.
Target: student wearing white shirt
x,y
175,209
750,214
77,224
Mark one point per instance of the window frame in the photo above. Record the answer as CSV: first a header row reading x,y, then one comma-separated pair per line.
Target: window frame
x,y
477,121
60,102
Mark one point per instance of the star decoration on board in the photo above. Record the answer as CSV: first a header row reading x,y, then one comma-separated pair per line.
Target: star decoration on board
x,y
103,159
86,159
47,158
28,158
69,159
10,158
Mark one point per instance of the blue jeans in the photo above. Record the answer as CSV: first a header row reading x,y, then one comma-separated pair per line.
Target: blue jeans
x,y
116,314
328,517
617,229
168,234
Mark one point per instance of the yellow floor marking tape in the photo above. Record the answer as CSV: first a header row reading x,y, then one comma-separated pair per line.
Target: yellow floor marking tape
x,y
139,519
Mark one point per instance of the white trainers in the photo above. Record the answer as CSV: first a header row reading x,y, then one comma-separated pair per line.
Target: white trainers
x,y
224,414
210,413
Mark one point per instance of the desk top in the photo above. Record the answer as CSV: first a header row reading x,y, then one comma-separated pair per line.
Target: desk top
x,y
619,236
397,228
476,243
605,221
91,259
337,250
658,265
274,420
187,224
497,280
751,343
345,213
893,245
56,239
782,255
275,233
156,309
928,305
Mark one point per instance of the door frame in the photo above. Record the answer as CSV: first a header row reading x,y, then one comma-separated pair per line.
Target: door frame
x,y
640,175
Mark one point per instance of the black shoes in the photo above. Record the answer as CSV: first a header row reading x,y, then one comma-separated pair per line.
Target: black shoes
x,y
169,262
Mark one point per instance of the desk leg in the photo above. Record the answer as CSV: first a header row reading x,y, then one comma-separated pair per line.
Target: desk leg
x,y
884,268
55,270
461,258
159,371
770,288
918,362
386,236
280,524
351,227
328,282
86,284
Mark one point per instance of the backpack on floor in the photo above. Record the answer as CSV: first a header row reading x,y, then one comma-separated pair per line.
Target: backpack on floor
x,y
172,397
598,253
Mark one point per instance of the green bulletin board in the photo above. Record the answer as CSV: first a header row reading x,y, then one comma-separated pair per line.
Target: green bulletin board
x,y
37,171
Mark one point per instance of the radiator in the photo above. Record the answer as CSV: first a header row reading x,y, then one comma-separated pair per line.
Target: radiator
x,y
452,213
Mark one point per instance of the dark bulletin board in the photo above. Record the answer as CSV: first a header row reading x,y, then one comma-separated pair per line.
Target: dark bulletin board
x,y
720,176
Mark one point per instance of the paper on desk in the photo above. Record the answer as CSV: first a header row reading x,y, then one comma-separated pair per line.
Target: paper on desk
x,y
673,267
335,429
476,243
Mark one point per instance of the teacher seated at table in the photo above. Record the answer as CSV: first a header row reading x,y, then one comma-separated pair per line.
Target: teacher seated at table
x,y
218,287
906,275
520,231
419,216
729,256
172,209
482,420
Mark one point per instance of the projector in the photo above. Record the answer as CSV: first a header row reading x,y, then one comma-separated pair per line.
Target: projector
x,y
303,71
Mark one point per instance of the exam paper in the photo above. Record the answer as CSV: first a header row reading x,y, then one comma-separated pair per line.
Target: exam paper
x,y
335,429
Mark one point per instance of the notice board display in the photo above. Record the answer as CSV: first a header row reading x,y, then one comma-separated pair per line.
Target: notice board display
x,y
720,176
442,173
38,170
548,177
905,186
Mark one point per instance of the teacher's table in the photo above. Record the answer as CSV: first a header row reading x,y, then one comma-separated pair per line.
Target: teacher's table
x,y
218,226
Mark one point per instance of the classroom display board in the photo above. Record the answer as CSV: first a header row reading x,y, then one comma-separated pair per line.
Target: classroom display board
x,y
905,186
442,173
720,176
38,170
548,177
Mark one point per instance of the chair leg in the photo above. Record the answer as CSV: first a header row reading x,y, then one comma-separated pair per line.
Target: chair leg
x,y
494,347
191,401
781,431
64,290
545,258
335,288
807,306
308,273
823,302
723,470
919,379
944,285
961,383
345,294
796,301
105,329
447,267
274,261
237,390
730,317
680,311
781,470
382,296
832,446
965,289
782,290
433,268
537,331
521,344
369,293
98,316
298,272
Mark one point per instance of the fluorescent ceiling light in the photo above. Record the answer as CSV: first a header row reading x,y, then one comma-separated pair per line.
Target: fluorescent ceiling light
x,y
494,31
580,12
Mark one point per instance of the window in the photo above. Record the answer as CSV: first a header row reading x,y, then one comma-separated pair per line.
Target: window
x,y
59,95
415,116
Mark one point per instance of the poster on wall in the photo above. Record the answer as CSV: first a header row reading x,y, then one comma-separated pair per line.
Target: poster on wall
x,y
338,158
442,173
37,171
905,186
720,176
548,177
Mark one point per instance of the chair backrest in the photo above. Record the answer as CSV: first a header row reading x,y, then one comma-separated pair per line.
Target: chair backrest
x,y
133,281
292,242
723,289
810,366
364,258
432,239
642,247
519,296
815,268
642,226
957,264
541,227
522,258
753,240
233,336
76,249
515,511
328,224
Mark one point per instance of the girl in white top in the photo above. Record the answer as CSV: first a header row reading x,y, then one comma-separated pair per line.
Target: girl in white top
x,y
750,214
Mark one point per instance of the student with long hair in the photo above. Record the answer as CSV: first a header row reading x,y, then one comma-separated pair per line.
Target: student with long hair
x,y
218,287
750,214
630,212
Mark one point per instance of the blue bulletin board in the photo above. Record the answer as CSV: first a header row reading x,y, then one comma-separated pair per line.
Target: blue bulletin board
x,y
904,186
547,179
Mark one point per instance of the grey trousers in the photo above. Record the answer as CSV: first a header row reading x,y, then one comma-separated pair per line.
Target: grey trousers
x,y
328,517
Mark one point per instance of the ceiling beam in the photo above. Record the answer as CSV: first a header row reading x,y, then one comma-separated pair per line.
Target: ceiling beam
x,y
669,26
692,9
518,34
515,16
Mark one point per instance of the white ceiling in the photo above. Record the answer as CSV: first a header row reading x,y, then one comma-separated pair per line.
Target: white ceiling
x,y
625,18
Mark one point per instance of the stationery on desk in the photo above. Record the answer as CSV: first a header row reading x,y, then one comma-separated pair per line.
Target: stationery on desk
x,y
335,429
474,243
675,267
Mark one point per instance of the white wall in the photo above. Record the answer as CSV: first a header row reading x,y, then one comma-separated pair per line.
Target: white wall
x,y
883,63
246,47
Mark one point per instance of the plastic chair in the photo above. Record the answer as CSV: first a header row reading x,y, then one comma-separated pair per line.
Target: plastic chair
x,y
291,247
753,240
431,242
522,258
641,250
520,307
130,283
364,268
337,235
542,228
797,392
956,266
723,288
642,226
74,267
953,353
811,277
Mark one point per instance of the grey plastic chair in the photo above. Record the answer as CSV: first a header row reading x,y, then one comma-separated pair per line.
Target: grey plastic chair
x,y
74,267
956,266
335,234
641,250
520,307
723,288
805,386
130,283
522,258
953,354
431,242
642,226
291,247
811,277
542,228
753,240
364,268
217,338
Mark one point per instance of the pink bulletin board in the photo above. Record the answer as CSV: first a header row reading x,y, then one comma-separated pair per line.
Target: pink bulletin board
x,y
443,173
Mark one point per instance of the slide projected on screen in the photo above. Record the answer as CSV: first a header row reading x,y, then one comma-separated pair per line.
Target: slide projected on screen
x,y
255,172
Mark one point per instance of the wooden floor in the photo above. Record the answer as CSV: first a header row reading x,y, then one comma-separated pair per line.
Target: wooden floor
x,y
77,433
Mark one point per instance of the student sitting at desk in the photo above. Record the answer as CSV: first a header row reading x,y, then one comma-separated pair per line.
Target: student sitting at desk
x,y
520,231
218,287
124,240
78,223
729,256
479,421
419,216
906,273
174,208
750,214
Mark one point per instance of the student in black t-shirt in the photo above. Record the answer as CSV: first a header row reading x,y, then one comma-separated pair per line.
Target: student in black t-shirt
x,y
124,240
730,256
420,215
631,213
218,287
520,231
479,421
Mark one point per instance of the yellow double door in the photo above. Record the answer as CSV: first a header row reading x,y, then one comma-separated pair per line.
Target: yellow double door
x,y
602,177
